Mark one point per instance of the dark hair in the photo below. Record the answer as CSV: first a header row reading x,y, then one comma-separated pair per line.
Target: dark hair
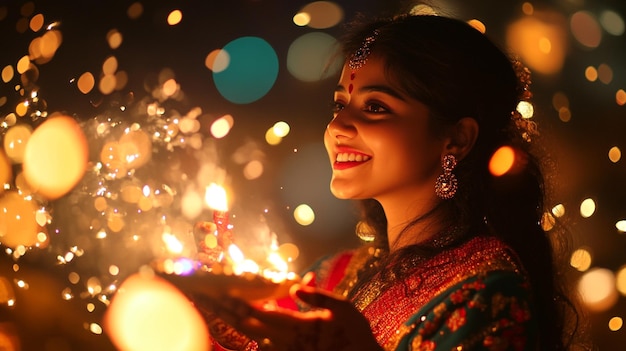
x,y
458,72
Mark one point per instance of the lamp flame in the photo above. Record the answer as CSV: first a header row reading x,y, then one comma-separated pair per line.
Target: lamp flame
x,y
215,197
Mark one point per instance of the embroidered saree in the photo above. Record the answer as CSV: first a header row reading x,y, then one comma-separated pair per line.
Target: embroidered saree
x,y
472,297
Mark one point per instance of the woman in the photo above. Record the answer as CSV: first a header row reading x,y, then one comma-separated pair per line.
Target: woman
x,y
458,259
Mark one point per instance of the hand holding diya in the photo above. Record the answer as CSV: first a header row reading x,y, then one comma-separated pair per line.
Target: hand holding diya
x,y
220,268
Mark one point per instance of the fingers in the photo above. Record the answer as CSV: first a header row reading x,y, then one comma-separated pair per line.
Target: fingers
x,y
320,299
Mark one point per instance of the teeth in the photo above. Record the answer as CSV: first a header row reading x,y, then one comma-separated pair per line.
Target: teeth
x,y
351,157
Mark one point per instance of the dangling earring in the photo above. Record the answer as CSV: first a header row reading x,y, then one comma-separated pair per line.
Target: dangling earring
x,y
447,184
365,232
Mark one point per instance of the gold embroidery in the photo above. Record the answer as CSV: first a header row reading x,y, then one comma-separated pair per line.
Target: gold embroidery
x,y
388,309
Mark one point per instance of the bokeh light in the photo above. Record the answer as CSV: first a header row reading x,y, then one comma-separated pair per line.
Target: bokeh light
x,y
313,57
18,226
251,72
620,280
581,259
321,14
587,208
15,141
55,157
615,323
6,170
304,214
217,60
502,161
597,289
148,313
478,25
586,29
540,40
174,17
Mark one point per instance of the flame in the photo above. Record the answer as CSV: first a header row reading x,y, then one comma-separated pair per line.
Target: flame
x,y
173,244
240,263
215,197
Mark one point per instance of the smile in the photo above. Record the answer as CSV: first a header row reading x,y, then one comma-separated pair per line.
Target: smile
x,y
351,157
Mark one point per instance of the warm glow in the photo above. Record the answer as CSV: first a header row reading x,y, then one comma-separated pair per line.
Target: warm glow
x,y
581,259
253,170
6,170
240,263
547,221
215,197
478,25
565,115
170,87
591,74
281,129
558,210
114,38
620,97
301,19
525,109
586,29
541,40
620,280
86,82
289,251
587,208
7,73
322,14
18,224
615,154
615,323
304,215
36,23
110,65
502,161
560,100
55,157
6,292
174,17
621,225
172,243
148,313
597,289
15,141
528,8
217,60
605,73
221,127
271,138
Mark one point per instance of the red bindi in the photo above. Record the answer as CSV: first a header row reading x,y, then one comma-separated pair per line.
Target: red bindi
x,y
350,87
352,75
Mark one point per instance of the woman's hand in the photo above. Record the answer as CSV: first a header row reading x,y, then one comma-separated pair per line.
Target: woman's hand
x,y
331,324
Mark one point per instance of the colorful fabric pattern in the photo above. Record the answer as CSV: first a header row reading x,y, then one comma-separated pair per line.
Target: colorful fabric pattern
x,y
474,297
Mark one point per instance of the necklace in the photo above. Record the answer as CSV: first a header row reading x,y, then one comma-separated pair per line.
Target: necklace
x,y
369,258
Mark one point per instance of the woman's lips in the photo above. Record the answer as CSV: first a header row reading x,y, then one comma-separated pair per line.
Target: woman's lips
x,y
349,159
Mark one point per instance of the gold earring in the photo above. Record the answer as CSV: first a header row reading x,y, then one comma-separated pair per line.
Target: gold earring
x,y
447,183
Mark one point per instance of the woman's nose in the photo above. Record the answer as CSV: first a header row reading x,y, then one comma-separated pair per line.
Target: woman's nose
x,y
342,126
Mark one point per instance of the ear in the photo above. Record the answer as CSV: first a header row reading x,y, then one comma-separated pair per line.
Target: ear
x,y
462,137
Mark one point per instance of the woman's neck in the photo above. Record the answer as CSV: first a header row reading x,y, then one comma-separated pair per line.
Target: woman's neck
x,y
412,225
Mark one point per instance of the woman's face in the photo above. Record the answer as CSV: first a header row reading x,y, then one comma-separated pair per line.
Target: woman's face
x,y
379,142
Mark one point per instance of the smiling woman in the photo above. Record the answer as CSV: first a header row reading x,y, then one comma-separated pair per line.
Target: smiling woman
x,y
459,259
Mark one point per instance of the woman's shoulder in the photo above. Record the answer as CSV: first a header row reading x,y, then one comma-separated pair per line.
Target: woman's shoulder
x,y
331,269
479,255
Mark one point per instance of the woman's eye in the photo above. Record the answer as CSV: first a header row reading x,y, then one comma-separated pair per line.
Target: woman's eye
x,y
337,106
375,108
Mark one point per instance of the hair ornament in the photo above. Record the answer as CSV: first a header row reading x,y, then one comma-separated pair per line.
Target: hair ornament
x,y
523,122
359,57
